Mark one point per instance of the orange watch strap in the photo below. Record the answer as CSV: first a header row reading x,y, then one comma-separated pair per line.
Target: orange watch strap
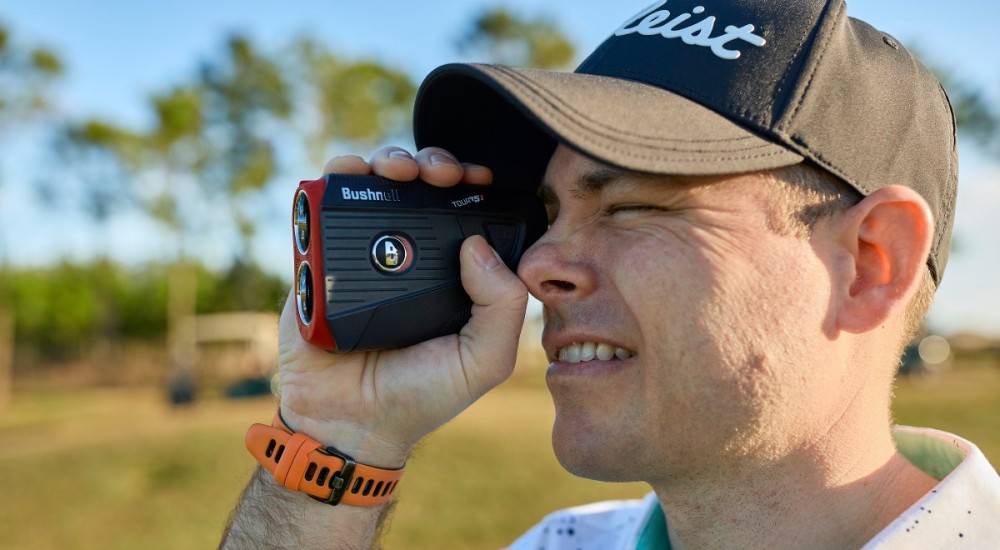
x,y
301,463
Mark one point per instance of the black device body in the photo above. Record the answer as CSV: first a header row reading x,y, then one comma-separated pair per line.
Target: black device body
x,y
377,261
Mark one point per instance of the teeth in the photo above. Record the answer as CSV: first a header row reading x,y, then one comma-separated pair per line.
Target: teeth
x,y
570,354
605,352
588,351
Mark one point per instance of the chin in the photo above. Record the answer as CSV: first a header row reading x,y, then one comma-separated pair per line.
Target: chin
x,y
592,455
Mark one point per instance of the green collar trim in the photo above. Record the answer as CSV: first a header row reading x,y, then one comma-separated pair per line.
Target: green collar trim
x,y
935,457
654,534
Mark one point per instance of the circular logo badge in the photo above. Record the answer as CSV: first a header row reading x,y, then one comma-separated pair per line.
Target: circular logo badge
x,y
392,253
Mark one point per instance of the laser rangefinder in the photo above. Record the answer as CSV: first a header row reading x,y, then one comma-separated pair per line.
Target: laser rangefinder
x,y
376,260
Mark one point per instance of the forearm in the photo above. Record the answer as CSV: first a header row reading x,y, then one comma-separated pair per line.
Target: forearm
x,y
270,516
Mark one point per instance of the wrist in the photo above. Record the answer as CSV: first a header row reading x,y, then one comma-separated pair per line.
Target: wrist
x,y
349,437
330,475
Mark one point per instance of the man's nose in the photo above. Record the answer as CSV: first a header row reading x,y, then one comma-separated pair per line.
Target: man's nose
x,y
556,269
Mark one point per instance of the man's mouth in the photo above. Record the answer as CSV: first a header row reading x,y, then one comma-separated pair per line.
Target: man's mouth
x,y
580,352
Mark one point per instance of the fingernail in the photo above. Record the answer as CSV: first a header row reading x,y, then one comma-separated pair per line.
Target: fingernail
x,y
399,154
487,261
438,158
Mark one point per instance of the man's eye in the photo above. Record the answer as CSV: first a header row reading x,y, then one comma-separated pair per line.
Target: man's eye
x,y
631,209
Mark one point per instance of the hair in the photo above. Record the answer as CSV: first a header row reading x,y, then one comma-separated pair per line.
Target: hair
x,y
807,195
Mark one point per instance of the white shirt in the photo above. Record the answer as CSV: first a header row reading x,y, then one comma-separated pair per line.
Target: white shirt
x,y
962,511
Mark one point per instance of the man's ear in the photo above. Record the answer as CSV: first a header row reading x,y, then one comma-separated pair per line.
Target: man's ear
x,y
887,237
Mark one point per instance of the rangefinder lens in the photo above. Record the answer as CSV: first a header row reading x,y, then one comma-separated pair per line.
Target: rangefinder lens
x,y
303,293
301,222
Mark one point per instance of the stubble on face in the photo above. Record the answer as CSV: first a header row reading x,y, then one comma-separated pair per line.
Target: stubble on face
x,y
701,290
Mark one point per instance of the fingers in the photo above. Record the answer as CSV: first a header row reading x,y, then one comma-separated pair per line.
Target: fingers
x,y
488,343
395,163
434,165
439,167
389,162
347,164
476,174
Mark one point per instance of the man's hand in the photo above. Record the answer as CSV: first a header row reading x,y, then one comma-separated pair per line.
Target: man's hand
x,y
376,405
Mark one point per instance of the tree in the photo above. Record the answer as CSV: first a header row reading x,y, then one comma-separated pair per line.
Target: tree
x,y
209,144
355,103
246,97
216,141
211,141
975,116
26,77
509,39
27,74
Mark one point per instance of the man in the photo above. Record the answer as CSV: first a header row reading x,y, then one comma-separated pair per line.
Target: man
x,y
750,206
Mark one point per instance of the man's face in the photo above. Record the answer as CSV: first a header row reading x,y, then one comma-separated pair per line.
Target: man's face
x,y
711,318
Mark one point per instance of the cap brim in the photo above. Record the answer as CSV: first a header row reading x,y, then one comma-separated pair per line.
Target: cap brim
x,y
510,119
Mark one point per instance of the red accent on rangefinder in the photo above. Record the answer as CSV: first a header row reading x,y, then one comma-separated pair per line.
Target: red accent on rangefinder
x,y
376,260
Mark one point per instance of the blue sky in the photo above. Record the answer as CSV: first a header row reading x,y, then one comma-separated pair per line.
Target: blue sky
x,y
118,52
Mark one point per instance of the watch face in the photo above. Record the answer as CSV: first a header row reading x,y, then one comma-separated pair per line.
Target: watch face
x,y
392,253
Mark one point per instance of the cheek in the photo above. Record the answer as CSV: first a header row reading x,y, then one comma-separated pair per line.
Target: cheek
x,y
763,324
683,313
714,325
668,285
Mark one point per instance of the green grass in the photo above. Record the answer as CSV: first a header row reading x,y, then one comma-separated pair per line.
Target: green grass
x,y
120,469
964,401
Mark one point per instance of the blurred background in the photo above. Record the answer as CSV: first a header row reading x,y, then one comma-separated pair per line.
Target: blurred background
x,y
148,156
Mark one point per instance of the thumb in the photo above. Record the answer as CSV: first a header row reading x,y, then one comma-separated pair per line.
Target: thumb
x,y
488,343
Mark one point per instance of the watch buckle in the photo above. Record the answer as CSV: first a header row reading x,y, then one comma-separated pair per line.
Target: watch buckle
x,y
340,481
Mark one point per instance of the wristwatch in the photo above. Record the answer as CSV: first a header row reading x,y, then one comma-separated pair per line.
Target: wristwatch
x,y
301,463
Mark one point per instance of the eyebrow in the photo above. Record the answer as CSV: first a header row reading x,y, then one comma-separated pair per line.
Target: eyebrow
x,y
587,185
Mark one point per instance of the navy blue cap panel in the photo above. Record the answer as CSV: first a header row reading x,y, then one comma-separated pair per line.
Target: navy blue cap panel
x,y
733,58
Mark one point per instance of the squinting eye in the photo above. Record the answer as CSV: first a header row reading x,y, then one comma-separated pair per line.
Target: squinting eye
x,y
630,208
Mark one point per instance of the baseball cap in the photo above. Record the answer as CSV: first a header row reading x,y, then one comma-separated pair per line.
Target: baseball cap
x,y
690,87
